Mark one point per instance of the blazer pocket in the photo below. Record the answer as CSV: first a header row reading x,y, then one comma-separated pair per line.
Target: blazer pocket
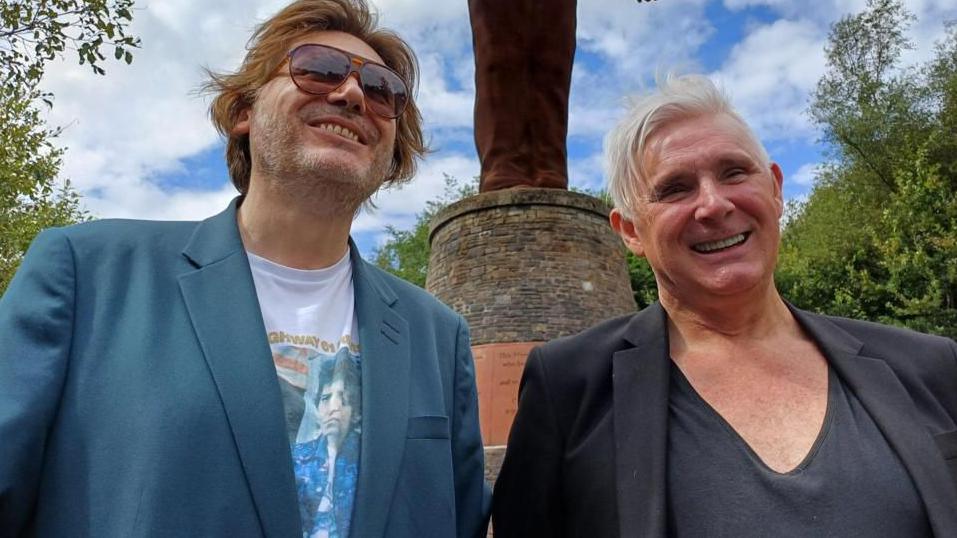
x,y
428,427
947,444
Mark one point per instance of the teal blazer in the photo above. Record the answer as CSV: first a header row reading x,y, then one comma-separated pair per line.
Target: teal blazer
x,y
138,396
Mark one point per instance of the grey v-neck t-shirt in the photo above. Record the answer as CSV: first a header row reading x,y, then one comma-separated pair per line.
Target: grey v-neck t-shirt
x,y
851,483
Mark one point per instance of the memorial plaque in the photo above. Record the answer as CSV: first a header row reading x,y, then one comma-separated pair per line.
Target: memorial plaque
x,y
498,370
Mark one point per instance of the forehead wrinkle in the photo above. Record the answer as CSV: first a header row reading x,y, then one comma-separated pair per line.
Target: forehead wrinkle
x,y
679,162
701,154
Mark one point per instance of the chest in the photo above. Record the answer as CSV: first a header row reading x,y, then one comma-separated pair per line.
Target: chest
x,y
776,406
850,482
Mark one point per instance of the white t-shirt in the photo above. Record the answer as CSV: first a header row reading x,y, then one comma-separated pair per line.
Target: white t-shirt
x,y
313,334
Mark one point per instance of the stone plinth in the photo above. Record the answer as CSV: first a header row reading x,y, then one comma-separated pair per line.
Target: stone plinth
x,y
523,266
528,265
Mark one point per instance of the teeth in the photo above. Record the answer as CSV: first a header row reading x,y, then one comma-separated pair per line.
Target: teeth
x,y
716,245
339,130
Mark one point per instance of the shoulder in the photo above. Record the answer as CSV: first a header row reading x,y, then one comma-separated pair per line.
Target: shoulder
x,y
923,363
118,235
581,364
609,333
111,244
602,340
894,343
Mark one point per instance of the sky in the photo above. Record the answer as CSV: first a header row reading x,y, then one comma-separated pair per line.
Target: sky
x,y
140,145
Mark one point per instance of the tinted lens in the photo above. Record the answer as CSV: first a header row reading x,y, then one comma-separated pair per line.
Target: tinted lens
x,y
385,91
318,69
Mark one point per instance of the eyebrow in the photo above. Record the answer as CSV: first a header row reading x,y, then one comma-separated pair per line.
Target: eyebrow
x,y
737,159
666,181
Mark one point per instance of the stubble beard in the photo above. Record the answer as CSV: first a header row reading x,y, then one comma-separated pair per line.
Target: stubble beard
x,y
304,177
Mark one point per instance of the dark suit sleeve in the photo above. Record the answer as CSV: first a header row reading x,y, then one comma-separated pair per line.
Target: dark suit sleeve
x,y
468,456
36,324
527,500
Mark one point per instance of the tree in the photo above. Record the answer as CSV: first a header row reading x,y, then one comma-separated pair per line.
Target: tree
x,y
876,237
644,287
33,33
29,200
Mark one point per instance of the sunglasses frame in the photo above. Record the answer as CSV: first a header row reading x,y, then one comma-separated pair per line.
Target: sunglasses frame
x,y
356,64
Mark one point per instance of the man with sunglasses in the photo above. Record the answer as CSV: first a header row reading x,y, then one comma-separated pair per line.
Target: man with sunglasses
x,y
166,378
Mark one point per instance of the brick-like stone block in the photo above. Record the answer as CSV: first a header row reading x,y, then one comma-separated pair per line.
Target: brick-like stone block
x,y
526,265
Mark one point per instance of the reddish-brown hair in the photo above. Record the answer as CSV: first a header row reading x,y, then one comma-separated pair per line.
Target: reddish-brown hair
x,y
267,49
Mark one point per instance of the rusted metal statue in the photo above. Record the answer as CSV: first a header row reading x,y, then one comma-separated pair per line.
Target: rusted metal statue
x,y
523,64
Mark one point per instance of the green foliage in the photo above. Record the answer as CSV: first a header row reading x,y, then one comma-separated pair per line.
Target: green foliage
x,y
406,253
31,34
876,237
644,287
29,201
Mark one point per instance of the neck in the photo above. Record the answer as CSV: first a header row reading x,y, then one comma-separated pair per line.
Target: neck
x,y
757,317
292,232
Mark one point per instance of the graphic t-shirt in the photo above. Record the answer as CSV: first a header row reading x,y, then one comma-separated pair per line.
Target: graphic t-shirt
x,y
312,330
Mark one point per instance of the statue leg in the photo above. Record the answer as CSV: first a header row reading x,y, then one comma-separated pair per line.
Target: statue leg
x,y
524,51
551,67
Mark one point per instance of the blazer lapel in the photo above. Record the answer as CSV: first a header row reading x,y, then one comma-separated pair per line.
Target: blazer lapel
x,y
881,393
384,345
640,386
222,304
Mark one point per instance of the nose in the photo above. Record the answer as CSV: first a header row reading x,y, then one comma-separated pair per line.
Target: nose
x,y
349,95
713,202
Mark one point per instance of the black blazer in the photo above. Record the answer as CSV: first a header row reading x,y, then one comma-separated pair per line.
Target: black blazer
x,y
587,452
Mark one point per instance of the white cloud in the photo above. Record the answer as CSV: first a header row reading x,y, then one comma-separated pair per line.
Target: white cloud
x,y
770,74
440,105
588,172
639,36
144,200
632,41
144,119
397,207
823,11
828,11
805,175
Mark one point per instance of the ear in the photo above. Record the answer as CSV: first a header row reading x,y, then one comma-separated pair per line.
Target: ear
x,y
628,232
778,177
241,126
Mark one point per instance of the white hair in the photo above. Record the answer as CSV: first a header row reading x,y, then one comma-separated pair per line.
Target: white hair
x,y
677,98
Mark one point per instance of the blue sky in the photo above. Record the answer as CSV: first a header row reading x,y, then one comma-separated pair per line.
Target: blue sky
x,y
139,144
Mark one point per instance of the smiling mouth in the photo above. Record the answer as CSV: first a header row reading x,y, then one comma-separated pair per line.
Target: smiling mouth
x,y
721,244
338,130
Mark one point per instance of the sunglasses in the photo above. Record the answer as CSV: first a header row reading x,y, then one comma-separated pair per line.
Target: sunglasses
x,y
320,69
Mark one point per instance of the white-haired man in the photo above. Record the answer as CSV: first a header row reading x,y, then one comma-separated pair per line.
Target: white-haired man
x,y
721,410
